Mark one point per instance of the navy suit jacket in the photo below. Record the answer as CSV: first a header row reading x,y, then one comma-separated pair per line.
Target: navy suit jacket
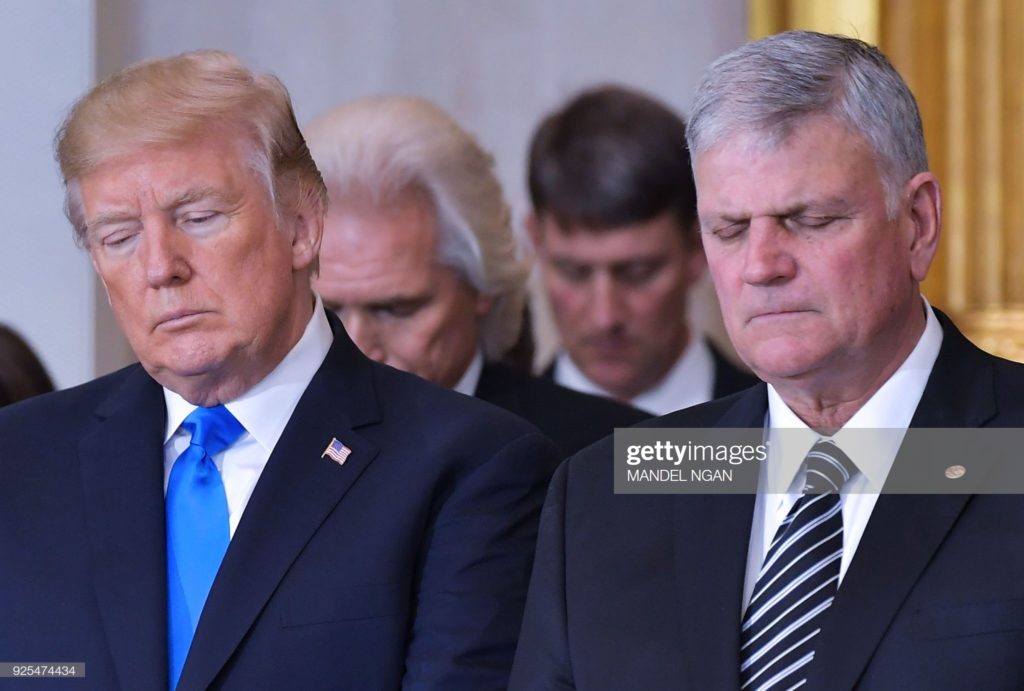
x,y
569,418
406,567
645,592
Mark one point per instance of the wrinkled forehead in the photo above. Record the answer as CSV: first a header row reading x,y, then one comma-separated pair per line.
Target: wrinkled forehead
x,y
236,152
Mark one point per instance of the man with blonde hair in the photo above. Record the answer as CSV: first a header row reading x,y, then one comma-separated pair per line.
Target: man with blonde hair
x,y
420,262
255,504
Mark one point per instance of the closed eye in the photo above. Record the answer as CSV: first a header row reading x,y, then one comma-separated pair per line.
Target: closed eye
x,y
118,239
812,221
730,231
202,221
400,309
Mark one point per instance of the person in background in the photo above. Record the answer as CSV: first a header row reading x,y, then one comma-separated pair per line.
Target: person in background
x,y
22,375
420,261
615,226
256,505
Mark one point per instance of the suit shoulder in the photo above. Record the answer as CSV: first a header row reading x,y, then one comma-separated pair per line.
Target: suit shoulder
x,y
403,393
729,378
66,405
500,381
571,419
739,409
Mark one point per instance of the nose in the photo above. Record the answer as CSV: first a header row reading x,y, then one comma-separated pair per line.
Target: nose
x,y
768,260
164,255
364,334
605,301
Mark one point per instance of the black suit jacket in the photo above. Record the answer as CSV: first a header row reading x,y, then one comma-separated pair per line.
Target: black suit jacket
x,y
645,592
405,567
570,418
728,378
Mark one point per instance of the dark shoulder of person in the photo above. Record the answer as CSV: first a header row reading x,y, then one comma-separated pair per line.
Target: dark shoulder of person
x,y
573,420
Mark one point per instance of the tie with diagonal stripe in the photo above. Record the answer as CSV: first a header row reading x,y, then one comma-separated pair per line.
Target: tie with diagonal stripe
x,y
798,579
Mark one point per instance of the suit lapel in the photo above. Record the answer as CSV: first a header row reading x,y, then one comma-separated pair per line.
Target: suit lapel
x,y
122,478
712,534
296,492
904,531
495,386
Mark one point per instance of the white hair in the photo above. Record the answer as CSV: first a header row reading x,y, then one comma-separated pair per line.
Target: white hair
x,y
375,149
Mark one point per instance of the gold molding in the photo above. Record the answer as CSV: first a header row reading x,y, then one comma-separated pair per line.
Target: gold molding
x,y
860,18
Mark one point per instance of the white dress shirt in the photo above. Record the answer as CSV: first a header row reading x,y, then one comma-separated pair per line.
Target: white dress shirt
x,y
871,439
471,377
263,410
690,381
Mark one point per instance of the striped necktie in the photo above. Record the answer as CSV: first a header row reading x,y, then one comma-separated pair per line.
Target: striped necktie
x,y
798,579
197,526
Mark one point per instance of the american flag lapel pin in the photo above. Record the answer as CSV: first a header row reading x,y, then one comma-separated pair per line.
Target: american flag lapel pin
x,y
336,451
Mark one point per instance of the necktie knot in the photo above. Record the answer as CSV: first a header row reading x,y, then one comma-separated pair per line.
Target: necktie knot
x,y
828,468
214,429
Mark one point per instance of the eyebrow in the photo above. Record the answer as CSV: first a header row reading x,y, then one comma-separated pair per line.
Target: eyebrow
x,y
189,196
398,300
830,205
193,195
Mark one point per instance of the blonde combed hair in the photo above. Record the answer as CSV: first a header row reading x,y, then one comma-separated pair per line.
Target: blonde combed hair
x,y
173,100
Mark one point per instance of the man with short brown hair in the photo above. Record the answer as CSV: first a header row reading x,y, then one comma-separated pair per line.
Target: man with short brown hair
x,y
615,226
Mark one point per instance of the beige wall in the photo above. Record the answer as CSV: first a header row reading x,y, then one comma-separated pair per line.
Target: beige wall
x,y
496,66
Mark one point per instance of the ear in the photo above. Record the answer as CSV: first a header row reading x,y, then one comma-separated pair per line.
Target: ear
x,y
533,229
924,219
696,262
484,304
307,234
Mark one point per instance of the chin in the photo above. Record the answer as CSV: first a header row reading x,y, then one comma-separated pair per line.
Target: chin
x,y
187,362
777,361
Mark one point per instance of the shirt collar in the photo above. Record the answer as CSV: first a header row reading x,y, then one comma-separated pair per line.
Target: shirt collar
x,y
471,377
689,382
872,437
265,409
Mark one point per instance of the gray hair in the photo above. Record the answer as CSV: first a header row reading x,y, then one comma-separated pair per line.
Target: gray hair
x,y
374,149
769,85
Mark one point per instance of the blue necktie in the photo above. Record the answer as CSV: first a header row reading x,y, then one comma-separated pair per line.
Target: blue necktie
x,y
798,580
197,526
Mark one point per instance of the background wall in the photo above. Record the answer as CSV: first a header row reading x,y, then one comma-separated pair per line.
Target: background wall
x,y
496,66
47,287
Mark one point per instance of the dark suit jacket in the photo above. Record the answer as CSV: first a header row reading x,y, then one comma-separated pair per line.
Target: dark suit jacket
x,y
644,592
728,377
569,418
405,567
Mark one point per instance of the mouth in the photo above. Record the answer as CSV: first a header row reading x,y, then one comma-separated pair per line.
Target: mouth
x,y
179,319
607,347
776,315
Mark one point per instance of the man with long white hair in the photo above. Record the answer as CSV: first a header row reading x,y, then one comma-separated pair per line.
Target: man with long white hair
x,y
420,262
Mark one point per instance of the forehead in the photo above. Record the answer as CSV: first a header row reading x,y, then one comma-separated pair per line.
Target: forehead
x,y
821,159
642,240
378,248
161,173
